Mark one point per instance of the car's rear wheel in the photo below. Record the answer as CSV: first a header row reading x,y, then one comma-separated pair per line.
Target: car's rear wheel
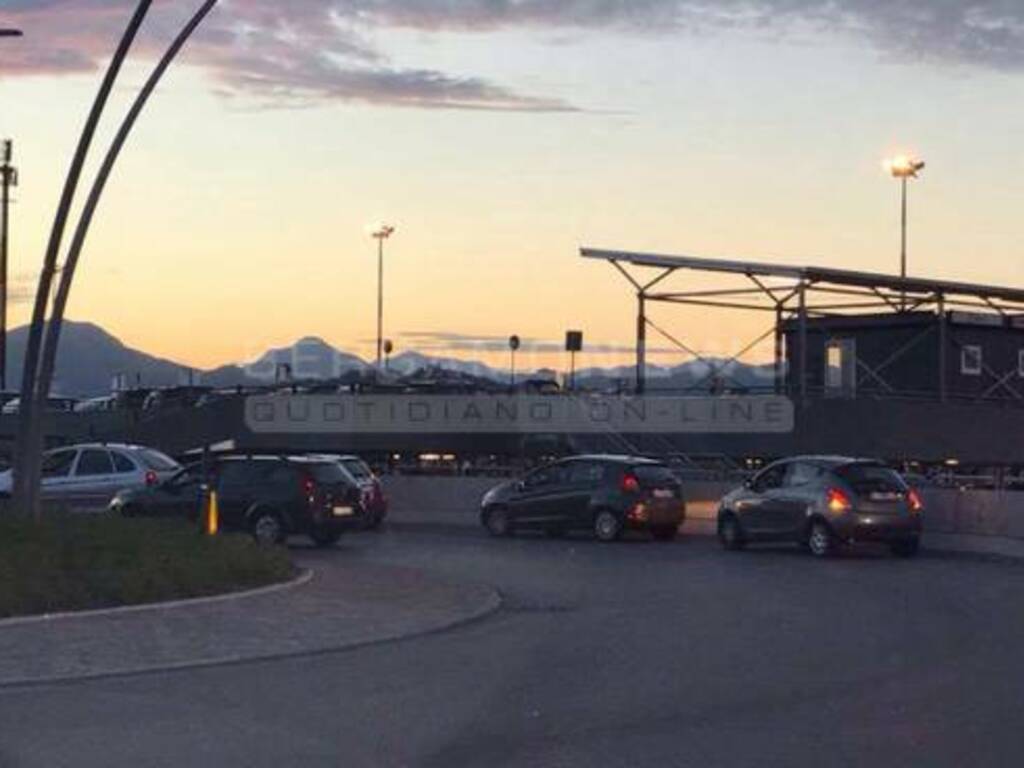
x,y
906,547
497,522
607,526
665,533
820,541
325,537
129,510
268,528
730,535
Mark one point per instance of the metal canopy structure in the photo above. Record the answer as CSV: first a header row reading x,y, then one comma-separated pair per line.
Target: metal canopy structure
x,y
811,275
796,294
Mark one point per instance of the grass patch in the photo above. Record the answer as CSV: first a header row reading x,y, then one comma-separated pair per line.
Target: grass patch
x,y
80,563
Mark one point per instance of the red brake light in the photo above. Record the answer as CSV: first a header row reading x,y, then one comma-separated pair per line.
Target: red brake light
x,y
838,501
630,483
308,486
914,501
151,478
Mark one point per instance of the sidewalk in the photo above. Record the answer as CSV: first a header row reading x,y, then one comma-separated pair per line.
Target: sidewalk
x,y
949,543
346,603
964,543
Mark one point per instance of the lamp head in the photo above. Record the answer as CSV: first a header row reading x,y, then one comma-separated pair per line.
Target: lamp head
x,y
904,167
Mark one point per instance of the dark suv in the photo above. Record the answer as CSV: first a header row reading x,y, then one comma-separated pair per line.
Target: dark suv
x,y
604,494
821,502
270,497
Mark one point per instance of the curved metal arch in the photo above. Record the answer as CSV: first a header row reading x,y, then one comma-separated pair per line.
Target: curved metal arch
x,y
27,460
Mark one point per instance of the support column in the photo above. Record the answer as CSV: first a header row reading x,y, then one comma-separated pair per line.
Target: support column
x,y
802,316
641,344
779,353
943,351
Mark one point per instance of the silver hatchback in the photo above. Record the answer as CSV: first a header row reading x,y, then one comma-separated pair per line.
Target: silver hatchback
x,y
88,476
823,502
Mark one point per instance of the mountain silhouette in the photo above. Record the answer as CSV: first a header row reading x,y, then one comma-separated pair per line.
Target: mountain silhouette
x,y
90,359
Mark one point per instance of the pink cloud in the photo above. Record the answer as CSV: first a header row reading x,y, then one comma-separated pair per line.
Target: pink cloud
x,y
285,52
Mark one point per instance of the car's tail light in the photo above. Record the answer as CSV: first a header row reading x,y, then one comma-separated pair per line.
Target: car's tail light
x,y
630,483
309,487
837,501
914,501
151,478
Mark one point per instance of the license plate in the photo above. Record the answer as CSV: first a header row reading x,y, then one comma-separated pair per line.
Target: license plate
x,y
664,493
343,512
885,496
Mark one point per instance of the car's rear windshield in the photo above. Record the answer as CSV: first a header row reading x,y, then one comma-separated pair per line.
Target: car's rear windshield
x,y
157,461
328,472
357,468
871,478
654,475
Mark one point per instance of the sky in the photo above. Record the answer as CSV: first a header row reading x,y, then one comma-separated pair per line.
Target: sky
x,y
498,137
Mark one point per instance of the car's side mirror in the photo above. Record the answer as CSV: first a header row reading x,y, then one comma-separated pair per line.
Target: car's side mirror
x,y
521,485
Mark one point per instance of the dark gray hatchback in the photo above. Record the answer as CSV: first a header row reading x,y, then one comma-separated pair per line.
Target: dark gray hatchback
x,y
604,494
822,502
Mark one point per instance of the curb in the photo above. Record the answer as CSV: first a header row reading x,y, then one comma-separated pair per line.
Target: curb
x,y
304,577
492,605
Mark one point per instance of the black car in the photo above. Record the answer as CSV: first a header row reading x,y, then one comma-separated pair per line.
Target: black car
x,y
270,497
822,502
604,494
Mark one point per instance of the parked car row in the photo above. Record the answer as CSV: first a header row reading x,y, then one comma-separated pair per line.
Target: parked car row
x,y
819,502
271,497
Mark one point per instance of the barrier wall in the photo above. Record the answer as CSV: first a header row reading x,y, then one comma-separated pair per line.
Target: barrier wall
x,y
456,501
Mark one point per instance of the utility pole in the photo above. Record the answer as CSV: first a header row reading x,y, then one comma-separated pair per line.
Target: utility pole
x,y
8,180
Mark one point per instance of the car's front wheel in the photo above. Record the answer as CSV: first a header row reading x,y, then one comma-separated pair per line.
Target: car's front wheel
x,y
497,522
267,528
607,526
730,535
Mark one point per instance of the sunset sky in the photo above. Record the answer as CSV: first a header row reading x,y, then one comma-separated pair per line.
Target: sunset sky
x,y
499,136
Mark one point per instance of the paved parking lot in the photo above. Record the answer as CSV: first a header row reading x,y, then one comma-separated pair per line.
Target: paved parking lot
x,y
636,654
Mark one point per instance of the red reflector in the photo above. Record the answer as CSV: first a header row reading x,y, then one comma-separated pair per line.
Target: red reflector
x,y
838,501
914,501
308,486
151,478
630,484
638,513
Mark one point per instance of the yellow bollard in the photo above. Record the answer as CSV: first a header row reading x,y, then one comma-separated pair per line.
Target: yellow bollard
x,y
212,515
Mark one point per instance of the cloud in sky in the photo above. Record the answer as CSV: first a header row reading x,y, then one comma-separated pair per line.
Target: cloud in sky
x,y
314,50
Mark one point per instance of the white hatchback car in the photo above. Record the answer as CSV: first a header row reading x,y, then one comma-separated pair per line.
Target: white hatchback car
x,y
89,475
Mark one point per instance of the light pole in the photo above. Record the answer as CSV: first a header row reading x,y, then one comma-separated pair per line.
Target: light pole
x,y
904,168
8,180
381,233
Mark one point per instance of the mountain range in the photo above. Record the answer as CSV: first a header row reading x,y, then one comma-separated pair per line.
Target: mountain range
x,y
91,360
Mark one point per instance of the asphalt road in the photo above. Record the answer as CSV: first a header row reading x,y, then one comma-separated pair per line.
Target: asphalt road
x,y
636,654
